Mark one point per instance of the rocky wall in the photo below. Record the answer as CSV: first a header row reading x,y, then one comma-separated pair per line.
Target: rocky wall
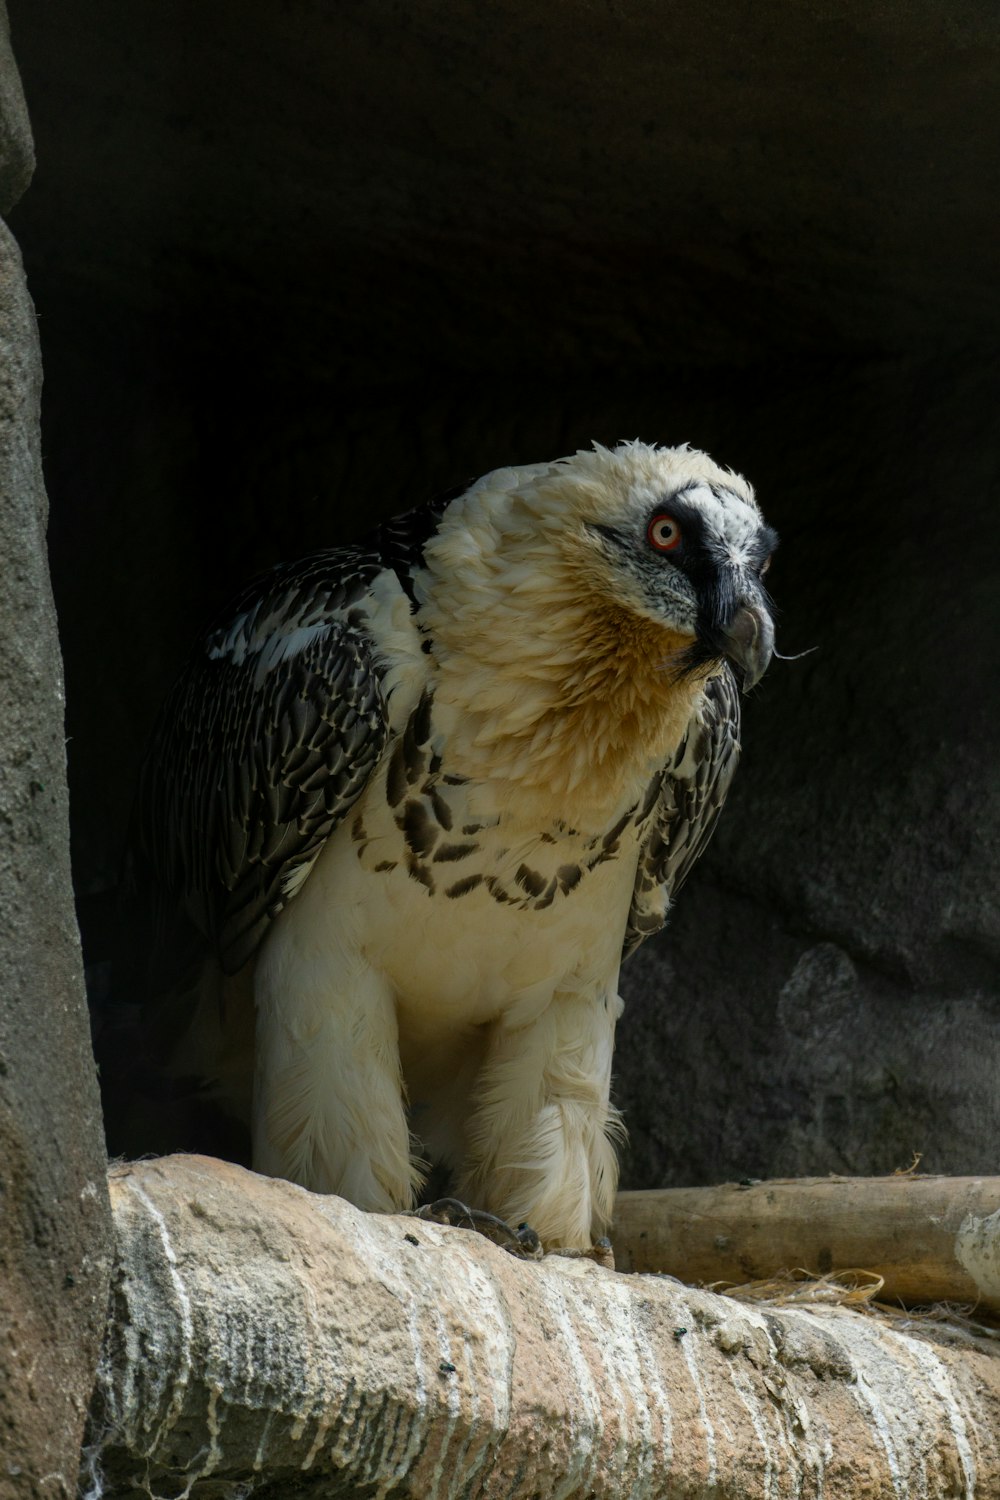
x,y
311,267
54,1212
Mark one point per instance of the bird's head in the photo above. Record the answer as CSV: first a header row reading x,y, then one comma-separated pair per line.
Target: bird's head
x,y
679,542
575,609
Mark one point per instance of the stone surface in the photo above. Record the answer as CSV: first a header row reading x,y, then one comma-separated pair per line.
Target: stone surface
x,y
317,1350
17,151
54,1216
393,251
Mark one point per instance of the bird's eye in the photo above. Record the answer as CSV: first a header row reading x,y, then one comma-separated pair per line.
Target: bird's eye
x,y
664,534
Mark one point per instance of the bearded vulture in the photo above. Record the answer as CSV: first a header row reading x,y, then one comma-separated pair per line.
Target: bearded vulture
x,y
412,801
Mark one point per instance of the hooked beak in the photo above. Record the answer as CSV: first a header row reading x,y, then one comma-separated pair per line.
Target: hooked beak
x,y
747,642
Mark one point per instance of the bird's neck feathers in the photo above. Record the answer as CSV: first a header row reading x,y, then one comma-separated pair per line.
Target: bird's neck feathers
x,y
551,683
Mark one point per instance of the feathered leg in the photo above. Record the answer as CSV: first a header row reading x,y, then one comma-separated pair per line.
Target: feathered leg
x,y
328,1092
540,1140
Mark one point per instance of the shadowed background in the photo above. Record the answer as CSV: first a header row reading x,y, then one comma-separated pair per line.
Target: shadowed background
x,y
298,266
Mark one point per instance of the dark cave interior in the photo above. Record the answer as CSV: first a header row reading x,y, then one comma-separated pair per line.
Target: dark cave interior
x,y
298,267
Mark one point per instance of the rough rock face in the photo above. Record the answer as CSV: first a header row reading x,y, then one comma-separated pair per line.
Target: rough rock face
x,y
311,1349
391,253
17,151
54,1216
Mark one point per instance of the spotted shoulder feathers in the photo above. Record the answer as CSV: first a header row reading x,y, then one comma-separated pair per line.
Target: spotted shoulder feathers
x,y
265,743
689,794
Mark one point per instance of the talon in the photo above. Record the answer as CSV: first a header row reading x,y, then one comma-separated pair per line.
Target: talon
x,y
600,1252
529,1241
522,1241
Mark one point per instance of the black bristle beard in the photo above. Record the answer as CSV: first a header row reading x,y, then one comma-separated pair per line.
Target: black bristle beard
x,y
694,661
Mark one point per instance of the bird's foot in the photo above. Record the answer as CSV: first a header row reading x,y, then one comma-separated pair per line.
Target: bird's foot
x,y
522,1241
600,1252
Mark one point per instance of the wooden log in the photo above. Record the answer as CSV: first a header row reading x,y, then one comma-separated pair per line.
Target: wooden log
x,y
931,1239
271,1340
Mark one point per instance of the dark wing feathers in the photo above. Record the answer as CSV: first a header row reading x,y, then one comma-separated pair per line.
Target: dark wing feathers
x,y
271,733
683,818
263,745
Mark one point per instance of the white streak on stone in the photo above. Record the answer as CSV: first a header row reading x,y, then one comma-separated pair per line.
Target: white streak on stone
x,y
933,1370
451,1400
323,1424
790,1464
706,1421
382,1258
395,1467
498,1352
745,1392
315,1403
586,1433
614,1367
258,1462
810,1451
651,1382
782,1404
183,1371
908,1421
214,1423
865,1395
619,1349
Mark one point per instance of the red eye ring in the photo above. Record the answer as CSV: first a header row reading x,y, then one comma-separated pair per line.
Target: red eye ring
x,y
664,534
